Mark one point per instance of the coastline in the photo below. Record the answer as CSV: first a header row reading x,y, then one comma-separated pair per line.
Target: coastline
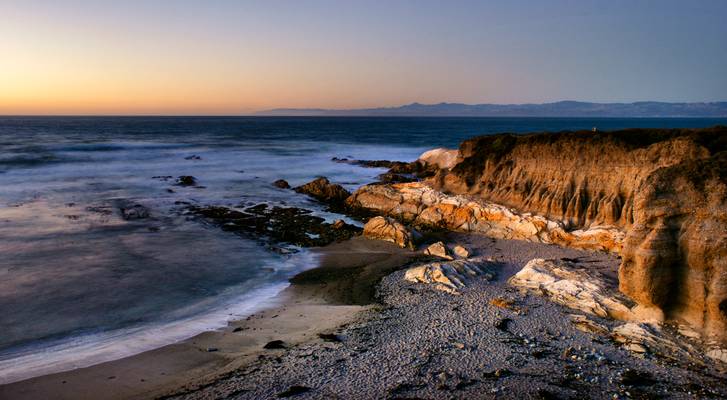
x,y
390,339
317,300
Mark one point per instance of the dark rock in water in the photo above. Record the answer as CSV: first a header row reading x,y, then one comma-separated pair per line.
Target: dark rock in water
x,y
294,391
323,190
186,180
212,349
193,157
281,183
391,177
162,177
275,344
137,211
278,224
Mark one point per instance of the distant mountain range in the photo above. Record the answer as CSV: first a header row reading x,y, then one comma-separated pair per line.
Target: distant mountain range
x,y
557,109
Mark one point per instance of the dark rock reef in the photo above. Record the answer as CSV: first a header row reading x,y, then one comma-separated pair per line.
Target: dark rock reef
x,y
286,225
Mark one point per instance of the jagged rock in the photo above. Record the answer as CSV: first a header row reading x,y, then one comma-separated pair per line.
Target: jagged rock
x,y
137,211
186,180
338,224
438,250
423,206
450,276
390,230
573,287
461,251
643,338
441,158
323,190
584,324
282,184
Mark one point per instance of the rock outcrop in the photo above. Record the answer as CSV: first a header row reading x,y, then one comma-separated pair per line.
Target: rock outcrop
x,y
580,178
657,196
390,230
450,276
574,287
423,206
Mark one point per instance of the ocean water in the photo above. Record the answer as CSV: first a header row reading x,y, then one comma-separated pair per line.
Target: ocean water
x,y
79,285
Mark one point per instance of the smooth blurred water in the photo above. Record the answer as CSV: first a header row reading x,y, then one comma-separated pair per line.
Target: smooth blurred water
x,y
75,281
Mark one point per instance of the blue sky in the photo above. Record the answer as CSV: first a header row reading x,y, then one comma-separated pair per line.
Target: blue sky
x,y
237,56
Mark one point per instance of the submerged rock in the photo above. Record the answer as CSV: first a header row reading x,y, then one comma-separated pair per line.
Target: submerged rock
x,y
137,211
186,180
450,276
390,230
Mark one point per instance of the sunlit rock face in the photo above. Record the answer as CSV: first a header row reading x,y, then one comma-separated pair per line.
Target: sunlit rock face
x,y
675,254
423,206
580,178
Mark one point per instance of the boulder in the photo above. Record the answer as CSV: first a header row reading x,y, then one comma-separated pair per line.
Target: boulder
x,y
323,190
282,184
450,276
390,230
575,287
438,250
441,158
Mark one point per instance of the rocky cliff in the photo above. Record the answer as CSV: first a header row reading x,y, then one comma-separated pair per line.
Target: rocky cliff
x,y
663,189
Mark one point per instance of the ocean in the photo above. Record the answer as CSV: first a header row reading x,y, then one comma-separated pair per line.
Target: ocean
x,y
79,285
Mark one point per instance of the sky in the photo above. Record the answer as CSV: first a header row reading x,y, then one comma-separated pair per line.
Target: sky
x,y
237,57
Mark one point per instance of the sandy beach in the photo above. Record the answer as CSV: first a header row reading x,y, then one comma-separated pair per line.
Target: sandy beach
x,y
337,333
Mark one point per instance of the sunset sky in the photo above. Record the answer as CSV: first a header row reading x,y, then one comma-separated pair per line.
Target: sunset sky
x,y
237,57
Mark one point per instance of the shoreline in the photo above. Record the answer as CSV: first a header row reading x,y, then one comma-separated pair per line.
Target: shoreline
x,y
317,300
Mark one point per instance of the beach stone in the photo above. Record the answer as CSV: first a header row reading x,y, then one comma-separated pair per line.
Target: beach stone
x,y
438,249
572,286
461,251
390,230
449,276
282,184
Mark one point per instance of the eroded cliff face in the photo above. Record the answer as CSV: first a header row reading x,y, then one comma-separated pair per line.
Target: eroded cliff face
x,y
579,178
675,254
664,190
